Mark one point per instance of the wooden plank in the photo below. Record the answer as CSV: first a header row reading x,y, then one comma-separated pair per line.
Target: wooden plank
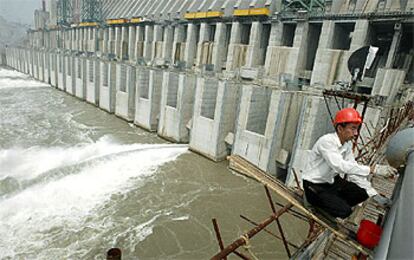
x,y
242,166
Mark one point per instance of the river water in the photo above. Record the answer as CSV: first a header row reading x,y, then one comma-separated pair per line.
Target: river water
x,y
76,181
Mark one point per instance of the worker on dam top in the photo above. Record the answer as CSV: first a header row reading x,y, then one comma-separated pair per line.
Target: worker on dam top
x,y
332,180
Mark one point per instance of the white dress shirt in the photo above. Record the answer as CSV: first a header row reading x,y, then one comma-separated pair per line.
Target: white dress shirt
x,y
329,158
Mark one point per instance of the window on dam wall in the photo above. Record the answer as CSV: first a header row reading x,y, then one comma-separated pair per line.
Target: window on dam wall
x,y
105,76
258,110
288,34
91,70
197,39
162,34
405,54
60,64
380,35
68,66
139,37
45,60
245,33
123,78
264,42
403,58
172,90
226,45
79,68
313,42
342,36
110,33
184,36
53,62
143,83
209,99
211,32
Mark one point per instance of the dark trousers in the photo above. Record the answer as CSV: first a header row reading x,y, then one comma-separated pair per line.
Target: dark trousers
x,y
337,199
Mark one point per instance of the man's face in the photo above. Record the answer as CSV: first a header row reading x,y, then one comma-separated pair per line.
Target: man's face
x,y
348,132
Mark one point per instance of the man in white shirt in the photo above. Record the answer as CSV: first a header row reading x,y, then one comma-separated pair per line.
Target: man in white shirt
x,y
332,156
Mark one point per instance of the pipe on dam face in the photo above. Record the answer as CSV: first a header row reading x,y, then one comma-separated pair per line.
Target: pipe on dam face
x,y
397,238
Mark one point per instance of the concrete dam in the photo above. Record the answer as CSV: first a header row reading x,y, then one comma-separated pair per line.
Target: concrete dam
x,y
241,77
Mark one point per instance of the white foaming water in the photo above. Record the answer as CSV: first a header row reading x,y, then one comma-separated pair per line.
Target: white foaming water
x,y
12,73
64,204
12,78
25,164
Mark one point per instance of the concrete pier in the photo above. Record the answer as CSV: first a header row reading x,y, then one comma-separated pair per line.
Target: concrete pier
x,y
20,60
214,117
3,57
15,59
45,75
107,89
313,122
237,49
256,50
31,62
41,62
92,77
41,66
61,71
26,57
266,127
35,64
149,37
179,44
139,43
105,42
79,79
70,74
46,64
219,53
148,98
167,48
386,83
53,69
193,31
157,45
125,91
205,45
132,34
177,99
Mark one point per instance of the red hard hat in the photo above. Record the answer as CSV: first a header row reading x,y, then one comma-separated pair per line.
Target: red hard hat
x,y
347,115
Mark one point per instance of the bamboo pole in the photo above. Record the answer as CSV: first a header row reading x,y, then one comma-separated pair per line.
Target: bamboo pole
x,y
242,166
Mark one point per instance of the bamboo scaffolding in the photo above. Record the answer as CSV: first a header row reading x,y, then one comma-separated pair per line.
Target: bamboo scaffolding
x,y
244,167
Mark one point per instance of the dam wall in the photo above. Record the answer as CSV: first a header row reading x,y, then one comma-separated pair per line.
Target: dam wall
x,y
240,78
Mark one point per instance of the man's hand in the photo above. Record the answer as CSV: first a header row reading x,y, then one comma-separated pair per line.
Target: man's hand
x,y
382,201
385,170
